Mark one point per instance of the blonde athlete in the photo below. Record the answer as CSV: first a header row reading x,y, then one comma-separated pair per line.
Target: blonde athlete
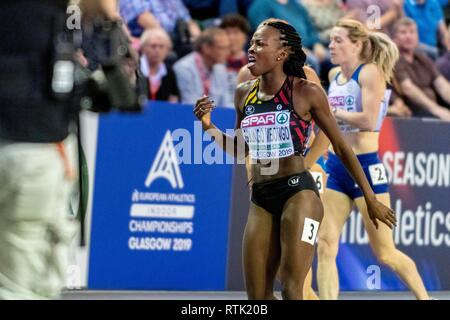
x,y
359,101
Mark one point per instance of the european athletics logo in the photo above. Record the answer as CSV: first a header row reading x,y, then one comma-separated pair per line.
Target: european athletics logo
x,y
165,165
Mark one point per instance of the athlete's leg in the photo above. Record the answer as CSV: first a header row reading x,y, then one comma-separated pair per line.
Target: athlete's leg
x,y
320,177
383,246
261,253
308,292
337,207
296,252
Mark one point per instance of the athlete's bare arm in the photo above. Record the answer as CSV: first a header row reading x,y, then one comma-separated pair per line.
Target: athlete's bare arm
x,y
318,147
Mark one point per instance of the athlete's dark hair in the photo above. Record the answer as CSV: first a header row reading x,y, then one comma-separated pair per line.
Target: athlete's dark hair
x,y
293,66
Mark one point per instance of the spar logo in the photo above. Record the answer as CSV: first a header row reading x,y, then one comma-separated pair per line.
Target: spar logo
x,y
165,165
338,101
282,118
259,120
349,100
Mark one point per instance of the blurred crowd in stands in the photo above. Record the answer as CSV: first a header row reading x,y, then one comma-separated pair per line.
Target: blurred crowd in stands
x,y
193,47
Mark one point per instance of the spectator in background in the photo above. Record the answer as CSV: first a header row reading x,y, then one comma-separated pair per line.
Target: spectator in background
x,y
295,13
149,14
155,46
443,65
170,12
420,81
366,11
237,29
429,18
137,16
397,106
203,71
324,15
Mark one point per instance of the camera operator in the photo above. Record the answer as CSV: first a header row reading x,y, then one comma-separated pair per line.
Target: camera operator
x,y
38,164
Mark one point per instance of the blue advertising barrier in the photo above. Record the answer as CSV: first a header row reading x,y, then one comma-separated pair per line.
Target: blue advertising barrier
x,y
416,156
160,213
167,215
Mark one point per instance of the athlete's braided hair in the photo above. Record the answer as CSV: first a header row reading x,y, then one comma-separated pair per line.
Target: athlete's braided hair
x,y
293,66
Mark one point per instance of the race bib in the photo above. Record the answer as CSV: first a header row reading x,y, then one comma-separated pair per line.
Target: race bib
x,y
310,228
318,178
378,174
268,135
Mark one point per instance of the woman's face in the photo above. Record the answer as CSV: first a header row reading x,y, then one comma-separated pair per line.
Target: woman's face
x,y
265,48
156,50
238,39
342,49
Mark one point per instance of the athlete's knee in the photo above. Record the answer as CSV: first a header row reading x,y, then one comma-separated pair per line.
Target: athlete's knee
x,y
291,289
386,256
292,281
327,246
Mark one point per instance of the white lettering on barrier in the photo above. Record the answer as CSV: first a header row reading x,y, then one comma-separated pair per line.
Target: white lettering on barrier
x,y
159,244
159,226
147,243
417,169
419,227
139,210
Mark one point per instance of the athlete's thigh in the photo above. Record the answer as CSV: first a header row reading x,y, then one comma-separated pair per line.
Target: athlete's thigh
x,y
261,246
383,237
337,207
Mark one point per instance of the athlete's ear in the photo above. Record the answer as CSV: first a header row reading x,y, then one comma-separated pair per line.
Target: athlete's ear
x,y
283,55
359,45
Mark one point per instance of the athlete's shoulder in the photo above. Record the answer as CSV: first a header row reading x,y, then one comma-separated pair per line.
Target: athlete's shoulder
x,y
308,88
245,87
244,75
370,73
369,69
242,91
333,73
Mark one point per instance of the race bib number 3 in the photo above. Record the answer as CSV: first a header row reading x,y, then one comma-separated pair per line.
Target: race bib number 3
x,y
310,228
268,135
318,178
378,174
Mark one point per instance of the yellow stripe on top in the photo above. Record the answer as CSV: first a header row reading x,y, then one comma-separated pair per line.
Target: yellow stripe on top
x,y
251,98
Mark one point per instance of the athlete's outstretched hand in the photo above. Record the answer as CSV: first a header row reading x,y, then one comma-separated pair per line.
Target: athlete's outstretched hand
x,y
378,211
202,110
